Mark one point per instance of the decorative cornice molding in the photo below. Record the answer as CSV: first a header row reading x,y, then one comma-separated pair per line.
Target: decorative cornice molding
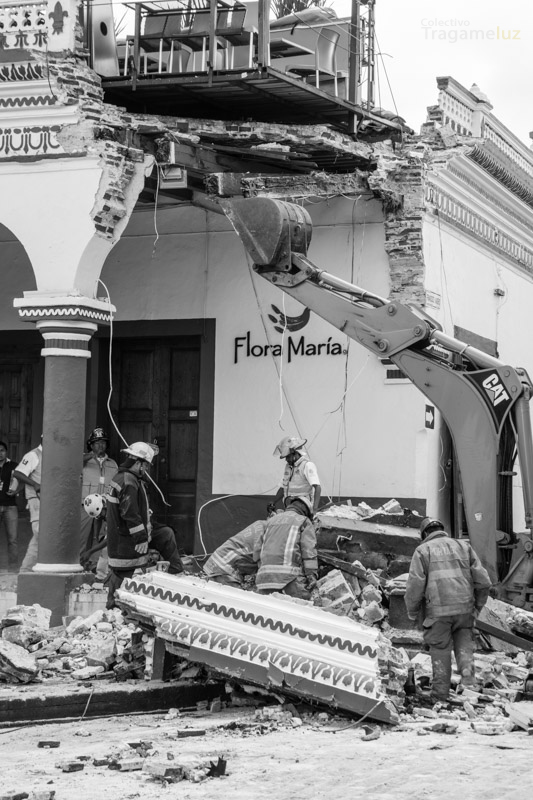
x,y
478,184
474,225
506,171
45,310
21,71
30,142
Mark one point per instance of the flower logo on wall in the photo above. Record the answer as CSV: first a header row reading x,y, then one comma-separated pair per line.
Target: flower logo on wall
x,y
282,322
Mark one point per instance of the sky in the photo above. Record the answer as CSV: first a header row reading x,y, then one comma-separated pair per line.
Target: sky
x,y
474,41
487,42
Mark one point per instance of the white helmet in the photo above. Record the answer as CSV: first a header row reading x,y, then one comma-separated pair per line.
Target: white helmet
x,y
94,505
142,451
287,444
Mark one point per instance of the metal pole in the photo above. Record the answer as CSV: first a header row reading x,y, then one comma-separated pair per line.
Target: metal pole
x,y
212,41
263,43
525,453
354,54
371,55
136,47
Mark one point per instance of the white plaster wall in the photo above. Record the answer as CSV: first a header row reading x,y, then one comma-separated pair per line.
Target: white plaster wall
x,y
34,202
368,446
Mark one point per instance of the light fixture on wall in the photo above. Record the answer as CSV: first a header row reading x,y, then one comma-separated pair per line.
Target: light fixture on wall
x,y
499,292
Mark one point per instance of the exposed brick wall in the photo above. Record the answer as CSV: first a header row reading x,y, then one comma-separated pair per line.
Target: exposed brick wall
x,y
399,183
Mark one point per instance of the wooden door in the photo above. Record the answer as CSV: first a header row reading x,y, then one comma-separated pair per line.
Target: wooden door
x,y
156,394
16,381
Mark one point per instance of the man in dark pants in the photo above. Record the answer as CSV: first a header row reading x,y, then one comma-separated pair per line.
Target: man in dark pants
x,y
447,578
130,532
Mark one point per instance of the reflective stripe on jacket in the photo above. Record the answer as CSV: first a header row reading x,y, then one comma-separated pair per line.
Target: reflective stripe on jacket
x,y
286,550
127,517
298,481
97,475
236,556
448,576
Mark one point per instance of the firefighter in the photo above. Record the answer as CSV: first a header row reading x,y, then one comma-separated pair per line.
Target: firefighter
x,y
286,551
448,581
130,532
233,560
300,477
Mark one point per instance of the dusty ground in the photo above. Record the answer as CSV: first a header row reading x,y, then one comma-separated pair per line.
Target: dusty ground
x,y
304,763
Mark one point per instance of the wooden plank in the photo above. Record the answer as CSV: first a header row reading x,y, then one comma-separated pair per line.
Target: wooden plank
x,y
338,563
505,636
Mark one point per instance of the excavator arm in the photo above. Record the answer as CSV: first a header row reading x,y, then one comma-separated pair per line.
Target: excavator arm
x,y
484,402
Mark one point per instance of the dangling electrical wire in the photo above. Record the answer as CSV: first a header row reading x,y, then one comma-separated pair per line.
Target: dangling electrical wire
x,y
110,393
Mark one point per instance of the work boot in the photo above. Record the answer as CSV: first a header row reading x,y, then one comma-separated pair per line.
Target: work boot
x,y
441,662
114,583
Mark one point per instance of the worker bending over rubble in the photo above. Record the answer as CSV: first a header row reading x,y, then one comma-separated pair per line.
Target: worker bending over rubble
x,y
450,585
300,478
234,560
286,551
130,532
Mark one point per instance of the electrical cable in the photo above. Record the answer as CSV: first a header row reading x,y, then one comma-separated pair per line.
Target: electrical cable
x,y
158,169
216,500
443,271
110,393
281,363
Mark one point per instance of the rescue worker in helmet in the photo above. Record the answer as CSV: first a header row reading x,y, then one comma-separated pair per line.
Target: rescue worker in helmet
x,y
130,531
98,469
286,551
300,477
448,583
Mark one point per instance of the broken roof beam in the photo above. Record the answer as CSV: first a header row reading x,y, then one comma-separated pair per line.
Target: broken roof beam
x,y
266,640
314,185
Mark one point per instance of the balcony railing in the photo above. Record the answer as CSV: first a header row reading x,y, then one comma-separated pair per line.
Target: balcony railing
x,y
196,37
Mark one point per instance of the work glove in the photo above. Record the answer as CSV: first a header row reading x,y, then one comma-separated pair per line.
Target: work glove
x,y
271,508
311,580
140,541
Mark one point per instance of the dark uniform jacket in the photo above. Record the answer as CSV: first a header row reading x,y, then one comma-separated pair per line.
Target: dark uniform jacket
x,y
128,520
448,576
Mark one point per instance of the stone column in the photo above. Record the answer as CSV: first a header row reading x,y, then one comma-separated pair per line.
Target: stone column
x,y
66,351
67,325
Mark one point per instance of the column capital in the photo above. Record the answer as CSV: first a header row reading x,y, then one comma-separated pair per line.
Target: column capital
x,y
66,322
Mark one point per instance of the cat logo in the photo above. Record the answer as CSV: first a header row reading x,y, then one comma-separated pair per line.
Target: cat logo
x,y
495,389
495,392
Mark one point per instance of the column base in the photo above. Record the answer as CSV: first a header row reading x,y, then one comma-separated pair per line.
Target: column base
x,y
51,590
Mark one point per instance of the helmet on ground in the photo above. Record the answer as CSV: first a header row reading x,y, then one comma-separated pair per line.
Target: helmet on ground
x,y
94,504
287,444
97,435
304,503
142,451
430,524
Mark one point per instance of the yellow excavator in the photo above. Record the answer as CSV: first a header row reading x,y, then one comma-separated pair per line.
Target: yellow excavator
x,y
484,402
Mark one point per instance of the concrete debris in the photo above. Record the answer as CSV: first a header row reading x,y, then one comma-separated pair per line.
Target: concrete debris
x,y
362,510
103,644
16,664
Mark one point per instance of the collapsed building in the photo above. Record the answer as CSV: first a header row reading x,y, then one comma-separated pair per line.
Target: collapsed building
x,y
111,214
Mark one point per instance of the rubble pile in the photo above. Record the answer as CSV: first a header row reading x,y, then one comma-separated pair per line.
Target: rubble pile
x,y
357,596
363,510
102,645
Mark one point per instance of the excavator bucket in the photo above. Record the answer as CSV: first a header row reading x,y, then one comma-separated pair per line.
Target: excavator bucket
x,y
270,230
